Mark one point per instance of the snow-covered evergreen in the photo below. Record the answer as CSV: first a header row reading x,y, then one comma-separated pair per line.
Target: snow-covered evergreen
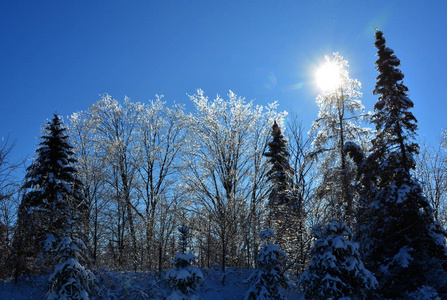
x,y
284,206
70,280
51,204
268,281
184,278
400,240
336,269
280,173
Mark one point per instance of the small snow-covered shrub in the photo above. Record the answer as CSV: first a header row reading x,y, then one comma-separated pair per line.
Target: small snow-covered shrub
x,y
336,270
424,293
269,280
70,280
184,278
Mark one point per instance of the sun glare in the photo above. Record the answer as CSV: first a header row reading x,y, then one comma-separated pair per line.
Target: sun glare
x,y
328,76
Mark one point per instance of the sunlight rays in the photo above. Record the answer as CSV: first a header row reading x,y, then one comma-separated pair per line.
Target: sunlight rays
x,y
328,76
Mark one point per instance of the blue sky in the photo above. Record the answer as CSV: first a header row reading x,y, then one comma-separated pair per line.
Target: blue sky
x,y
60,56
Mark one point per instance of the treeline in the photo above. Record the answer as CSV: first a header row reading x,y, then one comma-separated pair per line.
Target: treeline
x,y
121,177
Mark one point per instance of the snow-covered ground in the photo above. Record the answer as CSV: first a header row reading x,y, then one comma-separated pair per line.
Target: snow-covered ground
x,y
140,285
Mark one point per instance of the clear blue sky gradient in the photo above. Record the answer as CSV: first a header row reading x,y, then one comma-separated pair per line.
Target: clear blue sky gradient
x,y
60,56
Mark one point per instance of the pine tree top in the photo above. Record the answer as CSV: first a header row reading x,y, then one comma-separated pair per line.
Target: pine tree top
x,y
395,124
54,156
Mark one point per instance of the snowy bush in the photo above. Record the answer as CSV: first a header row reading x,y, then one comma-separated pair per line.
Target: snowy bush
x,y
70,280
269,280
184,279
336,270
424,293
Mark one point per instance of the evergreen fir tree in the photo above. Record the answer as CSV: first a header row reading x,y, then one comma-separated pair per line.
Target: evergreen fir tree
x,y
280,174
284,206
51,206
268,281
336,269
70,280
400,240
184,278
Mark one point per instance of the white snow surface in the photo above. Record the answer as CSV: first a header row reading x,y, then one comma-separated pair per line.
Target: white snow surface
x,y
140,285
185,256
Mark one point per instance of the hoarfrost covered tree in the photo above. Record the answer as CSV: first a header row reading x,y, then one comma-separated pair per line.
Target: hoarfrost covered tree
x,y
400,240
8,185
268,281
8,205
336,269
92,172
115,127
225,173
51,200
431,171
127,157
184,278
339,121
308,210
161,138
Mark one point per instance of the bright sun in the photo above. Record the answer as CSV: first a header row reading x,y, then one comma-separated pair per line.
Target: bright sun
x,y
328,76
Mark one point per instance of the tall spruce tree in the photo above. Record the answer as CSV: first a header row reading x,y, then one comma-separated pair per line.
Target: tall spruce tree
x,y
280,174
51,206
284,207
400,240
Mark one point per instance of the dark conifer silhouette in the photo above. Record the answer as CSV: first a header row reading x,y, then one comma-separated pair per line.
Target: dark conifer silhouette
x,y
401,242
280,174
51,207
284,206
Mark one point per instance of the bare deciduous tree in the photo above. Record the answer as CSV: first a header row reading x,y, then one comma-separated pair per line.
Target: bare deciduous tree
x,y
431,171
9,187
338,122
224,168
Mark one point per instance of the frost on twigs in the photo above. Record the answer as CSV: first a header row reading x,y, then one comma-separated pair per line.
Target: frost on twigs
x,y
268,281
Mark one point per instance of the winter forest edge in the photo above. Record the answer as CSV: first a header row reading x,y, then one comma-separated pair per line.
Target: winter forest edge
x,y
144,201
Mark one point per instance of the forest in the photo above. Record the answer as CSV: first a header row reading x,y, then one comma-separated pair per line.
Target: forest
x,y
131,200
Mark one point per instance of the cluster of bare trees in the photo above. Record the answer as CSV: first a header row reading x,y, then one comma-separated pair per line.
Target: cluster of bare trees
x,y
128,161
431,171
147,168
